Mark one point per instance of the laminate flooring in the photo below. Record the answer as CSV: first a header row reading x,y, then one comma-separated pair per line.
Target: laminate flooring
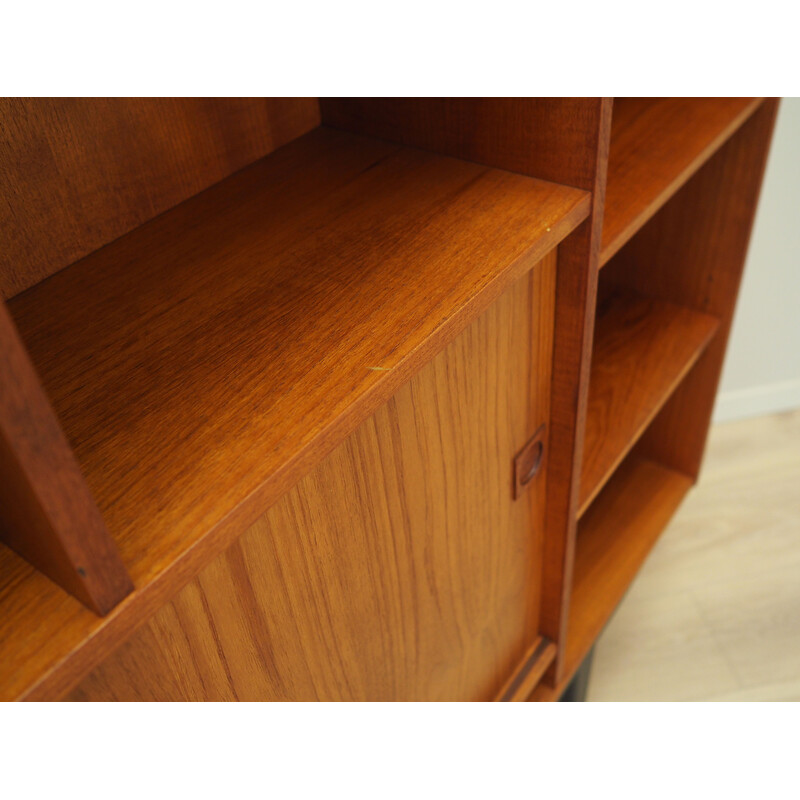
x,y
715,612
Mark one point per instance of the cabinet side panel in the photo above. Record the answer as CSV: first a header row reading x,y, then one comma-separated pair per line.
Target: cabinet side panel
x,y
400,568
576,300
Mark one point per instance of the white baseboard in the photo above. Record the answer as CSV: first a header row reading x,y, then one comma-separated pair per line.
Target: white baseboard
x,y
757,400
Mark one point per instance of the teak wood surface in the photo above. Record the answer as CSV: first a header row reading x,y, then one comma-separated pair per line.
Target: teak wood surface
x,y
713,616
552,138
561,139
691,253
77,173
400,568
576,297
341,313
657,144
46,511
177,358
643,349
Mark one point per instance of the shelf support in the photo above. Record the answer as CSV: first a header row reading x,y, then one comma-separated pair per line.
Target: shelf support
x,y
47,513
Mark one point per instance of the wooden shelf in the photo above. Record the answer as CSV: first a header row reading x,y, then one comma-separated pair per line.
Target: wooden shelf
x,y
204,362
642,350
613,541
656,146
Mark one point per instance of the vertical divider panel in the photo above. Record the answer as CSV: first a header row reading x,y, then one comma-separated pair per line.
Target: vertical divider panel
x,y
576,301
47,513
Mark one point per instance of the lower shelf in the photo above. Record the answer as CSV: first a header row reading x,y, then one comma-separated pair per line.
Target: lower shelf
x,y
614,538
643,349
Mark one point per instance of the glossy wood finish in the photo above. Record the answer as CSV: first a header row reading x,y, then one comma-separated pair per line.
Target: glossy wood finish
x,y
46,512
75,174
263,330
271,315
657,144
400,568
693,253
553,138
643,349
576,294
560,139
372,256
677,257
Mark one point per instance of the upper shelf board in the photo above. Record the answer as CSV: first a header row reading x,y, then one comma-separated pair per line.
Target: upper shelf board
x,y
657,144
203,363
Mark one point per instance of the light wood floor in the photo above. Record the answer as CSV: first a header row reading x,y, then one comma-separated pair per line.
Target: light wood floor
x,y
715,612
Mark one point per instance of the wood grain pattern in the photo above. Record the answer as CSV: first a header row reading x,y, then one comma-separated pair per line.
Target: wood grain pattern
x,y
254,327
400,568
690,253
204,363
694,251
576,294
560,139
553,138
643,349
46,512
657,144
75,174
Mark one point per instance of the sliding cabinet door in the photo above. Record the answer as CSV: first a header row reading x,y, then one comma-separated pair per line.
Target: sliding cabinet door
x,y
401,567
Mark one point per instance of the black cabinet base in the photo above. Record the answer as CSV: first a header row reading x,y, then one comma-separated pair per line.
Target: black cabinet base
x,y
578,686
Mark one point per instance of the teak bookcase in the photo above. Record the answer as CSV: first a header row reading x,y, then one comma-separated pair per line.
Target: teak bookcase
x,y
356,399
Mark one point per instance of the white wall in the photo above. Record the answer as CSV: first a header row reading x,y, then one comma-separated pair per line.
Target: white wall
x,y
762,368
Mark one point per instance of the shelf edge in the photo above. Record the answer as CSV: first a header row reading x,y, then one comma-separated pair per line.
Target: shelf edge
x,y
114,629
609,249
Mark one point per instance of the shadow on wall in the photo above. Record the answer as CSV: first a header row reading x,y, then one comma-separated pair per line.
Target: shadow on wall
x,y
762,369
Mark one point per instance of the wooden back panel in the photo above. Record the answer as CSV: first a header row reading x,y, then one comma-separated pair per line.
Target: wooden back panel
x,y
75,174
545,137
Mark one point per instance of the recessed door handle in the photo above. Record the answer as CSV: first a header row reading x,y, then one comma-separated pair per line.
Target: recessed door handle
x,y
528,462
